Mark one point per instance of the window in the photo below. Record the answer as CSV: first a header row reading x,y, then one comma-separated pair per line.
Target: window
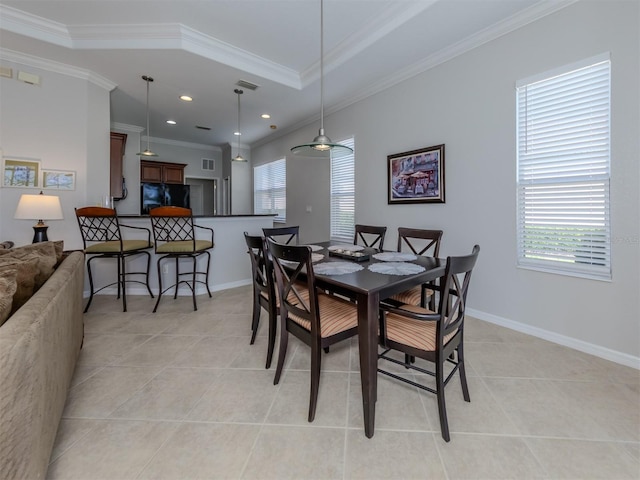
x,y
343,194
270,189
563,170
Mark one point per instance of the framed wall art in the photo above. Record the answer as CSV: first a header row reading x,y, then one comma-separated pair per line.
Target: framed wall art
x,y
20,172
416,176
58,179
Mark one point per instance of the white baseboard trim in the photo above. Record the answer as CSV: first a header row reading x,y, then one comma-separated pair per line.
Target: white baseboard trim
x,y
590,348
182,292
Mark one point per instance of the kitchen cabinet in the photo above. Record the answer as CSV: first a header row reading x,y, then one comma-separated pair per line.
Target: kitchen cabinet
x,y
161,172
118,142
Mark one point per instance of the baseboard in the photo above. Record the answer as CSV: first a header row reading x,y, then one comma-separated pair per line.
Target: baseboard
x,y
182,291
590,348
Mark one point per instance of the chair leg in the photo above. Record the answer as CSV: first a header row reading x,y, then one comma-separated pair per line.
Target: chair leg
x,y
90,285
175,293
122,276
273,324
463,374
193,284
326,349
207,274
284,339
442,409
119,282
159,287
316,360
147,274
255,318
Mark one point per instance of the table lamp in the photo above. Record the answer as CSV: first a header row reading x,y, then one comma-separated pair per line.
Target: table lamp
x,y
39,207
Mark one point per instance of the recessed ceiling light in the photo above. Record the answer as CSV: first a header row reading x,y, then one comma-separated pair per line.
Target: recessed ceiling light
x,y
265,115
171,122
237,133
186,98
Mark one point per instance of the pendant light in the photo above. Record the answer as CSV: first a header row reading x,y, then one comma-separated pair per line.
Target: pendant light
x,y
321,146
238,157
147,152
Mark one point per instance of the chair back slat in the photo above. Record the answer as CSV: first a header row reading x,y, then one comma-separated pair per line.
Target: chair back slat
x,y
172,224
419,241
98,224
294,271
453,298
370,236
261,267
284,235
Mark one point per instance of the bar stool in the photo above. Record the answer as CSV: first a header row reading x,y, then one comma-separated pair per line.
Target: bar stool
x,y
174,237
102,238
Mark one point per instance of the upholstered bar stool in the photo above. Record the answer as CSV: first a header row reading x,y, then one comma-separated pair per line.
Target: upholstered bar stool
x,y
102,238
174,235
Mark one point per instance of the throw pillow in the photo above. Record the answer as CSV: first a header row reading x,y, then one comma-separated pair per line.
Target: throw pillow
x,y
25,278
44,252
8,286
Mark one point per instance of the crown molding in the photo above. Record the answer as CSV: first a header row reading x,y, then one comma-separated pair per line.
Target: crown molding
x,y
179,143
56,67
17,21
125,127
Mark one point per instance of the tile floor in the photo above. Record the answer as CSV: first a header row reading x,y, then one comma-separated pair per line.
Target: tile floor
x,y
182,395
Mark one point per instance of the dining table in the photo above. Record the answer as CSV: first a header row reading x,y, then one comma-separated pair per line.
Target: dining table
x,y
367,287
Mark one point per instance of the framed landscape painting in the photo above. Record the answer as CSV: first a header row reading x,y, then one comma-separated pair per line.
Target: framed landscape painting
x,y
416,176
58,179
20,172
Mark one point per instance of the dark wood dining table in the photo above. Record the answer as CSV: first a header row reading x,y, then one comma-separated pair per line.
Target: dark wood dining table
x,y
367,288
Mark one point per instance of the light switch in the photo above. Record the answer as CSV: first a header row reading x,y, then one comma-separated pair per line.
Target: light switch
x,y
29,78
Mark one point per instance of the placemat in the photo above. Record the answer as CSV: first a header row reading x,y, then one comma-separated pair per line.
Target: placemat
x,y
396,268
336,268
315,257
350,248
395,257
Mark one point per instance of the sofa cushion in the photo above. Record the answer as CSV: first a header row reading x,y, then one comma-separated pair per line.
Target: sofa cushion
x,y
26,271
8,286
44,252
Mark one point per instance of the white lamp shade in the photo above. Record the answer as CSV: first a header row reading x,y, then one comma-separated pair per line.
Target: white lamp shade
x,y
39,207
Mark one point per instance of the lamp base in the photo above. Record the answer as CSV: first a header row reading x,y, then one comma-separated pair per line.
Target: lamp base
x,y
40,234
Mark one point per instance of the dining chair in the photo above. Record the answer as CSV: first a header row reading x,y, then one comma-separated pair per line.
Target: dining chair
x,y
264,291
370,236
419,242
284,235
102,238
435,336
317,319
174,235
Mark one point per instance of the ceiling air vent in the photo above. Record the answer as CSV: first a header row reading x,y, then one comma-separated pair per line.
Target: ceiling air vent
x,y
247,85
208,164
203,128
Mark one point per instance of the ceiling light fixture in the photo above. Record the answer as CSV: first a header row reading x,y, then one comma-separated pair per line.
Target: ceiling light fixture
x,y
321,146
172,122
265,115
147,152
238,157
186,98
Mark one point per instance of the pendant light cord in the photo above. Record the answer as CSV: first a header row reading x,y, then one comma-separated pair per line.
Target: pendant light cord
x,y
321,67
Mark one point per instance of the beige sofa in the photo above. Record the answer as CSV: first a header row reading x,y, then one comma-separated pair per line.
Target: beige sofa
x,y
39,346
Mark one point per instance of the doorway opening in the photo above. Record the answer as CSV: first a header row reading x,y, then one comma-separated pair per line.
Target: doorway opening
x,y
204,195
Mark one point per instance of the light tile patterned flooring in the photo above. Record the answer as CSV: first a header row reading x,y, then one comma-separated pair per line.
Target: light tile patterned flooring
x,y
182,395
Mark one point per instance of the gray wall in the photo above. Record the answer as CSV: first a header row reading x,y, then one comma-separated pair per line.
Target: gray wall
x,y
468,103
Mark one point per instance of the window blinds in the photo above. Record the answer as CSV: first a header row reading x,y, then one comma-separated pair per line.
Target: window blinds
x,y
343,194
270,189
563,171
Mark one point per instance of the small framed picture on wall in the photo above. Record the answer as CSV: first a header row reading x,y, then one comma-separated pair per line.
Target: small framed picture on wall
x,y
58,179
416,176
18,172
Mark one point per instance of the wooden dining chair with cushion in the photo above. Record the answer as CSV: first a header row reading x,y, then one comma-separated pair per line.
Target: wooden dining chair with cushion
x,y
102,238
264,292
419,242
174,235
285,235
370,236
318,319
435,336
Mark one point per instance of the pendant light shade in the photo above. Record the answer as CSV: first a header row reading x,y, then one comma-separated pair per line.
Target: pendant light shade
x,y
147,152
322,145
238,157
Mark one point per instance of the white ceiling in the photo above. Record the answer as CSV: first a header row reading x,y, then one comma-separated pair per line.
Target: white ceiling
x,y
203,47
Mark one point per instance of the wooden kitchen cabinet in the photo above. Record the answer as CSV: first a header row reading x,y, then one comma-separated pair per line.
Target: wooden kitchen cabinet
x,y
116,169
161,172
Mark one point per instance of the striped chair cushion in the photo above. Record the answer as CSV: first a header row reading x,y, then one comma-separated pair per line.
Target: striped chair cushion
x,y
414,333
413,296
302,290
336,316
184,246
113,246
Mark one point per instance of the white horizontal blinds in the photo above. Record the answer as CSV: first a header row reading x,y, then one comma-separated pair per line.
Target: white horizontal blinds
x,y
563,171
270,189
343,193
